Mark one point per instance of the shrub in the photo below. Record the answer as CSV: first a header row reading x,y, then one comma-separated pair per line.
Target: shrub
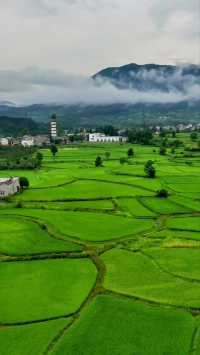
x,y
162,193
163,151
19,205
24,183
122,160
98,162
151,173
39,156
194,136
54,149
149,169
130,153
43,226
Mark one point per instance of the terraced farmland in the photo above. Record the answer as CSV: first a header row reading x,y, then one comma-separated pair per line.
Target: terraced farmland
x,y
92,262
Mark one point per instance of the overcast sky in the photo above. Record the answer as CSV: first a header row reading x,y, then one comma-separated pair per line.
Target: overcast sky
x,y
84,36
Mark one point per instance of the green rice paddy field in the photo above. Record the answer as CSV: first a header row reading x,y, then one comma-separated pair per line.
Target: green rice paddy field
x,y
93,263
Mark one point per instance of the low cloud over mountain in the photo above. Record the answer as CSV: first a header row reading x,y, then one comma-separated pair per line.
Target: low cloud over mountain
x,y
129,84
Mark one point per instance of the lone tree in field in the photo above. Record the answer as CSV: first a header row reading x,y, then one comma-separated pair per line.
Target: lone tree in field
x,y
23,181
149,169
130,153
39,158
162,193
54,149
107,155
98,162
163,151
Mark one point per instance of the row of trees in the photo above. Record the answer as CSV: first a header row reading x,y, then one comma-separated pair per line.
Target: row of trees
x,y
23,162
149,168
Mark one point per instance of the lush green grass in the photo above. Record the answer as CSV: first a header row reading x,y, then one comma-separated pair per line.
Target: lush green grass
x,y
37,290
133,206
170,234
20,236
189,203
155,256
138,275
82,190
119,326
31,339
181,261
163,205
86,225
74,205
41,178
184,183
185,223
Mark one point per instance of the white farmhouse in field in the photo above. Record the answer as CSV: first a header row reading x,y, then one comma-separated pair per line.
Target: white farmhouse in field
x,y
101,137
9,186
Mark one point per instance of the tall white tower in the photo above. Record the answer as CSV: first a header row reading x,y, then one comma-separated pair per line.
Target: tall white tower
x,y
53,127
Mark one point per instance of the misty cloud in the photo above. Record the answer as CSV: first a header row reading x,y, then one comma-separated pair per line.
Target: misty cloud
x,y
34,85
53,8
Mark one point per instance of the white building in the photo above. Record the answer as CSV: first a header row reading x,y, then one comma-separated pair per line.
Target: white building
x,y
4,141
101,137
53,127
9,186
27,141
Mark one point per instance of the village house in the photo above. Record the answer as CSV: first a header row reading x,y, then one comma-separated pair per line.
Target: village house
x,y
27,141
41,140
4,142
9,186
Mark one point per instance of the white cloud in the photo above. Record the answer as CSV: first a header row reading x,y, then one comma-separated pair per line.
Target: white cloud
x,y
86,35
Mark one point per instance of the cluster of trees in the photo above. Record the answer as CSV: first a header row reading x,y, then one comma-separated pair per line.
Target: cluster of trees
x,y
140,136
99,161
108,130
149,168
19,126
20,158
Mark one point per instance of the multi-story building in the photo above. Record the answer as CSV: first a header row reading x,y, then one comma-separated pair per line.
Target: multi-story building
x,y
53,127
